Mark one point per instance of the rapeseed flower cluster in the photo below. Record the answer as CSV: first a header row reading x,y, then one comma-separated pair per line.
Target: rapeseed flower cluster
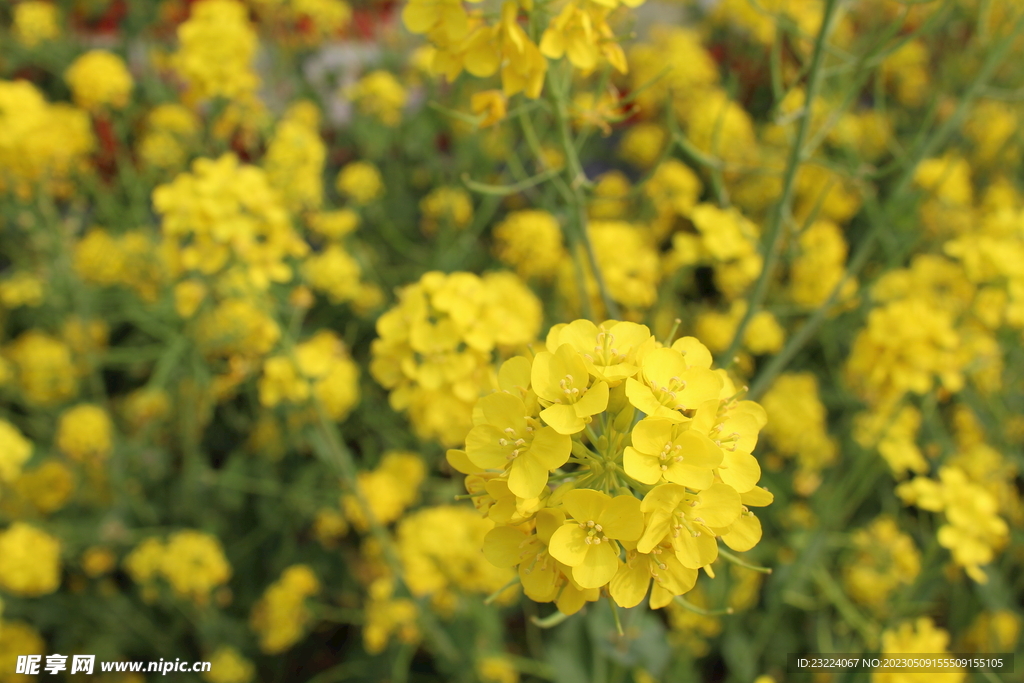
x,y
280,616
436,347
191,562
610,460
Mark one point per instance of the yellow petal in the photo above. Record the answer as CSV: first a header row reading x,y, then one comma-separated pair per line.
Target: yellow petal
x,y
548,522
483,449
550,449
630,584
695,552
744,533
502,546
563,419
515,374
527,476
594,401
598,567
585,505
460,462
695,353
739,470
622,519
757,497
642,467
569,545
540,580
651,434
572,599
717,506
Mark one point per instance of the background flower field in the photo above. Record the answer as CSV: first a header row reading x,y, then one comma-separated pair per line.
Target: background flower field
x,y
584,341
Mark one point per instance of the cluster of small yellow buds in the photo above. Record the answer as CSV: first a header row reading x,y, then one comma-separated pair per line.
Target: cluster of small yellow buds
x,y
41,144
225,214
319,369
436,346
192,562
974,531
611,460
280,617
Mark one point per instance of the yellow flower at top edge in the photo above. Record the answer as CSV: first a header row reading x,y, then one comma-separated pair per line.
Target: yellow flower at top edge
x,y
36,21
217,45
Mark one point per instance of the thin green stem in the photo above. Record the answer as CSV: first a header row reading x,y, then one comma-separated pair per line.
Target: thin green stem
x,y
781,209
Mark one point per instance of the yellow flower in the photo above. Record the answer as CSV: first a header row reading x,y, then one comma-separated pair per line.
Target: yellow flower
x,y
973,531
491,105
524,67
687,520
440,550
22,289
46,488
544,578
36,21
361,181
329,527
334,225
295,157
642,144
610,350
45,370
380,95
334,272
448,206
531,242
280,616
281,383
583,35
19,639
885,560
85,432
216,51
587,543
561,381
227,665
388,490
97,561
99,78
188,296
665,450
912,638
41,144
14,452
508,438
193,563
671,382
29,561
497,669
629,585
171,130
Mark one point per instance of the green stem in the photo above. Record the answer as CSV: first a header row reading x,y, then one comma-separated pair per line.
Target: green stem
x,y
683,602
739,562
782,208
864,250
